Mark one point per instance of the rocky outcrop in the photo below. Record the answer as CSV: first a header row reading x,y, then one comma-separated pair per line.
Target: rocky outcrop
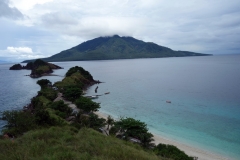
x,y
16,67
38,68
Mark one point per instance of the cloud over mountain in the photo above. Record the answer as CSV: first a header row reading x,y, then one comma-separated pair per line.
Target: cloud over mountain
x,y
200,26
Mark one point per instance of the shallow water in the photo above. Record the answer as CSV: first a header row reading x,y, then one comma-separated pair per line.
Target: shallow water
x,y
204,94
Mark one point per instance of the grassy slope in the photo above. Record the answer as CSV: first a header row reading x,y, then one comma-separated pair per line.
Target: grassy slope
x,y
68,143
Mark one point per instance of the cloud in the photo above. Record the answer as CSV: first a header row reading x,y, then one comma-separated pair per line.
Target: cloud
x,y
17,50
199,26
19,54
29,4
56,19
9,12
92,26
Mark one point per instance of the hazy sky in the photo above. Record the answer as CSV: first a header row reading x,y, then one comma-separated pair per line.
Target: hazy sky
x,y
40,28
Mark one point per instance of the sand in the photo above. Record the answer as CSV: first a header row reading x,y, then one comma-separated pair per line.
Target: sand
x,y
189,150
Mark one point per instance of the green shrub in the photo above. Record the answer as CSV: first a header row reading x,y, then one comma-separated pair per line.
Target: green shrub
x,y
68,82
87,104
72,92
170,151
49,93
62,109
43,118
95,122
44,83
18,122
48,117
40,102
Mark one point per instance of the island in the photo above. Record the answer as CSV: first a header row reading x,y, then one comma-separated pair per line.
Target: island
x,y
116,47
38,68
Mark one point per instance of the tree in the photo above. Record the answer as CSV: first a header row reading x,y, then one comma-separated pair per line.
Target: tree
x,y
147,139
18,122
44,83
95,122
72,92
129,127
87,104
62,109
43,118
49,93
110,121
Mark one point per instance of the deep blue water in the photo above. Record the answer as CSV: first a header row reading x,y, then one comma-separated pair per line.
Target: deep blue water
x,y
204,91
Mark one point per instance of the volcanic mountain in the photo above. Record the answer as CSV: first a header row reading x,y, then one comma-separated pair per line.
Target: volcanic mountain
x,y
116,47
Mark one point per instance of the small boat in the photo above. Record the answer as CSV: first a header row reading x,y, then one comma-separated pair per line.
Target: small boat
x,y
92,97
168,101
107,92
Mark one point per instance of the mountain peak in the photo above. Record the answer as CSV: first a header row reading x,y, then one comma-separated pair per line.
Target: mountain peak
x,y
116,36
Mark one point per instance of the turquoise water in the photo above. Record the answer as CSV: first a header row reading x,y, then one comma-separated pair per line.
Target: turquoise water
x,y
204,91
204,94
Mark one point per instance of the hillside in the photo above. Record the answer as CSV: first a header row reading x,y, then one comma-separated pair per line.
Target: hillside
x,y
68,143
116,47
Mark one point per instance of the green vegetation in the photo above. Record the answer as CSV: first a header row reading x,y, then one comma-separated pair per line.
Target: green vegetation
x,y
46,89
43,69
39,67
49,129
61,109
116,47
130,128
80,70
43,83
39,62
72,92
87,104
68,143
49,93
18,122
109,121
88,120
171,151
40,102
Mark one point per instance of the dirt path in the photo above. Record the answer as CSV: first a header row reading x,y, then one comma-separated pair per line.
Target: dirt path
x,y
69,103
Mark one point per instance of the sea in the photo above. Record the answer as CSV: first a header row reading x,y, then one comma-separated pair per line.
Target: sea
x,y
204,93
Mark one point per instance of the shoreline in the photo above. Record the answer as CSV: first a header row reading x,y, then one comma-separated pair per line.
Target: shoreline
x,y
188,149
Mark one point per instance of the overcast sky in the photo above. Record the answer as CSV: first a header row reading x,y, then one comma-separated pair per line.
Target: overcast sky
x,y
41,28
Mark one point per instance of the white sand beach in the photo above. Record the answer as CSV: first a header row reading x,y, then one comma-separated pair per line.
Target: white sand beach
x,y
189,150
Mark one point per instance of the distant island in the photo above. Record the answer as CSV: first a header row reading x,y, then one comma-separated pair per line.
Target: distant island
x,y
3,61
116,47
39,68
